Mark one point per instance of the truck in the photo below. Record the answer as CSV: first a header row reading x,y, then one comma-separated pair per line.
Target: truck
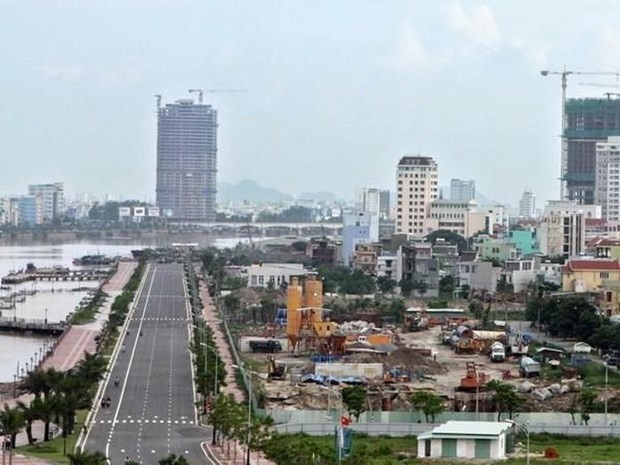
x,y
497,352
529,367
269,346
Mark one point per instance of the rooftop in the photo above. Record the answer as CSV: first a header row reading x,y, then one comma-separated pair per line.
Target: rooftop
x,y
591,265
454,428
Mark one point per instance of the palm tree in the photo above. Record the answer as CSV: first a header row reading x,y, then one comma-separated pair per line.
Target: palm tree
x,y
35,382
29,415
45,410
11,422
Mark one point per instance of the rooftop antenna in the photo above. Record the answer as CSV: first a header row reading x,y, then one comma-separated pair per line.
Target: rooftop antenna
x,y
200,93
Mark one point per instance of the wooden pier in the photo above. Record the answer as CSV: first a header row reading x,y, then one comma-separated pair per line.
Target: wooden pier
x,y
56,275
36,326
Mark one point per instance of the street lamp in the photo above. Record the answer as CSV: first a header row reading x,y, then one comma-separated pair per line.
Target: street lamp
x,y
606,384
248,376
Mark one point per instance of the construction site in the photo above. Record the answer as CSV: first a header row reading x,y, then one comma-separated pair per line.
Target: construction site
x,y
306,359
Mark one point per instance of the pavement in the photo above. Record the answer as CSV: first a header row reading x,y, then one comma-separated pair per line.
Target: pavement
x,y
152,412
223,452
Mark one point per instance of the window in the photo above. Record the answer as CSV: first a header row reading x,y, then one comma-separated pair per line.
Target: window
x,y
604,274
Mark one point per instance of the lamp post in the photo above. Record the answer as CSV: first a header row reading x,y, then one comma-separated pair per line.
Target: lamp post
x,y
606,384
526,428
248,376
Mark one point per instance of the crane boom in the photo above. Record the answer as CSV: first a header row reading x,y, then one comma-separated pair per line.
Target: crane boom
x,y
201,92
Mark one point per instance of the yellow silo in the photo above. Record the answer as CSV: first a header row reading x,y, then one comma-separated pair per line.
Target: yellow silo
x,y
313,293
293,304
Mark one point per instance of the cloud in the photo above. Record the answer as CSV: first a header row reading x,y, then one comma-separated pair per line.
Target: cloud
x,y
64,72
536,54
409,52
606,46
478,26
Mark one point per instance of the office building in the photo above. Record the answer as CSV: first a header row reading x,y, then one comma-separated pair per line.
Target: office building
x,y
527,205
374,201
588,122
416,188
462,191
50,200
460,217
357,228
187,160
608,178
562,234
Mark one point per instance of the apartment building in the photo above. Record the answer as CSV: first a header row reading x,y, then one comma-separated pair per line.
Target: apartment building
x,y
374,201
607,193
462,190
50,200
416,188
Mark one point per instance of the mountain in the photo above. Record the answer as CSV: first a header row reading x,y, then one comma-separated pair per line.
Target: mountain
x,y
249,190
317,196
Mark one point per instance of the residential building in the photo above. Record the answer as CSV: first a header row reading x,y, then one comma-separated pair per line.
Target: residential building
x,y
498,250
607,182
29,212
520,273
527,205
562,235
462,191
479,276
461,217
358,228
587,275
322,252
187,160
605,248
524,240
51,200
571,207
272,274
598,227
588,122
373,201
466,440
550,272
446,255
416,188
365,257
415,261
387,264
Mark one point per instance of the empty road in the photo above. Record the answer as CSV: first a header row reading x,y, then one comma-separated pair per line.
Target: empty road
x,y
152,411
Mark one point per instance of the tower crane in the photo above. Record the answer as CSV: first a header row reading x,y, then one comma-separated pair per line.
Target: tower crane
x,y
564,148
201,92
158,98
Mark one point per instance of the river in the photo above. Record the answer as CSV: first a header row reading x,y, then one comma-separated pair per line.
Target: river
x,y
52,299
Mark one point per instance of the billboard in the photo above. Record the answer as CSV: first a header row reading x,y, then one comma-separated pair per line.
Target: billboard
x,y
153,211
139,211
124,211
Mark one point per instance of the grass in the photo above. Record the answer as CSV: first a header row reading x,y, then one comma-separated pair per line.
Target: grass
x,y
52,451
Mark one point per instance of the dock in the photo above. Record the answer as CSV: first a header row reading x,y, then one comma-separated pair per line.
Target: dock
x,y
34,325
56,275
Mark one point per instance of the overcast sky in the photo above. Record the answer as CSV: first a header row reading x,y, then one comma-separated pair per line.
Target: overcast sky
x,y
337,90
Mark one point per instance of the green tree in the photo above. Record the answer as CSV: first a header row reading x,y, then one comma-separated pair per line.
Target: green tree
x,y
84,457
421,287
446,286
356,400
29,415
173,459
407,286
506,398
449,237
587,404
476,308
428,403
386,284
11,423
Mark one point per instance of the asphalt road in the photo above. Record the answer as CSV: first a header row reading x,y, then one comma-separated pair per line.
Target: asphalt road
x,y
152,411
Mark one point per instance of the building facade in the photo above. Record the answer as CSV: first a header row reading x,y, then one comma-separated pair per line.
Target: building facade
x,y
461,217
607,180
462,190
187,160
416,188
527,205
50,199
562,235
374,201
357,228
588,122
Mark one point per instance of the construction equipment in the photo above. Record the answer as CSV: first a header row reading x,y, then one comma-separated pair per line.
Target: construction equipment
x,y
268,346
158,99
564,149
201,92
276,370
473,380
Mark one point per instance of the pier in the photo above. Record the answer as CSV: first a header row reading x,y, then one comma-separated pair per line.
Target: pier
x,y
34,325
57,275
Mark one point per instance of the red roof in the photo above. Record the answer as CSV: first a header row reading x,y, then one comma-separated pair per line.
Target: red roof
x,y
596,221
605,242
591,265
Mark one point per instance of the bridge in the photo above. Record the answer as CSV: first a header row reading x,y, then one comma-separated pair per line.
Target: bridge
x,y
56,275
34,325
272,229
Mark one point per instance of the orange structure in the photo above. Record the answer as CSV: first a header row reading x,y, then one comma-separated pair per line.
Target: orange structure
x,y
305,319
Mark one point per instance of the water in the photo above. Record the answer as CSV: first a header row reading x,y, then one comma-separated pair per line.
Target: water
x,y
52,299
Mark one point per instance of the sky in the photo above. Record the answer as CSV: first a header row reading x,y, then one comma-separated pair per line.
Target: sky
x,y
337,90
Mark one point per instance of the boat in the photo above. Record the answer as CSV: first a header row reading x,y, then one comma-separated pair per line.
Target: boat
x,y
94,260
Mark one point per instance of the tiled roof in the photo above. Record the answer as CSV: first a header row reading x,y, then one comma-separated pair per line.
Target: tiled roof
x,y
591,265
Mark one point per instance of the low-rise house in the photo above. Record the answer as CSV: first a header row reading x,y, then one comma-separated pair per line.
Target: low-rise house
x,y
479,276
263,274
587,275
467,440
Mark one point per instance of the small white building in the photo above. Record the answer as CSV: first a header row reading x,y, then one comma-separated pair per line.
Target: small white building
x,y
274,273
466,440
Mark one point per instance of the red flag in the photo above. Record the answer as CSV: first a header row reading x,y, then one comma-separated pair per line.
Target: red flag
x,y
344,421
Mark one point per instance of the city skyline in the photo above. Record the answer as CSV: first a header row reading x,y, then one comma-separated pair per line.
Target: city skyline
x,y
456,81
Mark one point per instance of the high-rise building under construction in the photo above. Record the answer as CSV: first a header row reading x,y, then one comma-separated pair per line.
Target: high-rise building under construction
x,y
187,160
588,122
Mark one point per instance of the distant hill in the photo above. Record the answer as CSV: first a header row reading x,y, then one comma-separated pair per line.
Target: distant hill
x,y
317,196
251,191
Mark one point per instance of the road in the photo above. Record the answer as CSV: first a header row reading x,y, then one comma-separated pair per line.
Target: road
x,y
152,411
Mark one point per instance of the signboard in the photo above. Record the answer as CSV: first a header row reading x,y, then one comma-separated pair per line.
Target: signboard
x,y
124,211
153,211
139,211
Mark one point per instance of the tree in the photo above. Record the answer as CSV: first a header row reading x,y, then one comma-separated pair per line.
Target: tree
x,y
446,286
11,423
476,308
406,287
386,284
587,401
84,457
420,286
428,403
506,398
356,400
172,459
448,236
45,409
29,415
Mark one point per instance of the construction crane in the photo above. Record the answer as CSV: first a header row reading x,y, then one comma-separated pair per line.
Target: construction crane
x,y
564,148
201,92
598,84
158,98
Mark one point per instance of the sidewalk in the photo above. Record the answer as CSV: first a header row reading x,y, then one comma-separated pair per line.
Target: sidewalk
x,y
214,322
70,349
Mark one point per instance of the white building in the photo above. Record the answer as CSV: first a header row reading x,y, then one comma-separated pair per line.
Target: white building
x,y
527,205
275,273
562,235
462,190
358,228
466,440
607,190
50,200
571,207
416,188
373,201
461,217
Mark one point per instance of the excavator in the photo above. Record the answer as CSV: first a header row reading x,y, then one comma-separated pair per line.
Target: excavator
x,y
276,370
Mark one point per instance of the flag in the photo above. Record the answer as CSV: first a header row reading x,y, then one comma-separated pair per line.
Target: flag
x,y
345,421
